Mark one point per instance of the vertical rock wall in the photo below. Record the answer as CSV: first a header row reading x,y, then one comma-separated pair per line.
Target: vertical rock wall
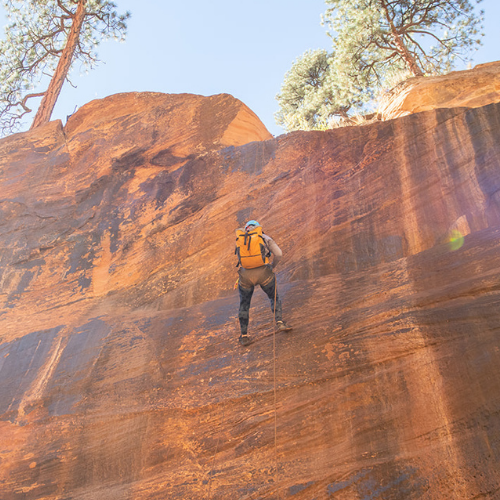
x,y
120,372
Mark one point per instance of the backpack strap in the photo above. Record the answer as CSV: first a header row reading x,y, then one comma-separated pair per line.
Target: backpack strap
x,y
249,238
263,252
237,253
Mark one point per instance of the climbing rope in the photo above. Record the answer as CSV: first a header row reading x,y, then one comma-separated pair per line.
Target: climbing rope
x,y
275,407
211,472
274,388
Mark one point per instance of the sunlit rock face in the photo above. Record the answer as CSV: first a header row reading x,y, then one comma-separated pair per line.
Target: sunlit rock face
x,y
120,372
472,89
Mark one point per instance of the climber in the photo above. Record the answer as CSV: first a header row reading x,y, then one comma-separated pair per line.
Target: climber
x,y
253,249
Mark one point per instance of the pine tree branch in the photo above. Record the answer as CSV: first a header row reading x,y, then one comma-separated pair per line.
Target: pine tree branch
x,y
25,99
64,9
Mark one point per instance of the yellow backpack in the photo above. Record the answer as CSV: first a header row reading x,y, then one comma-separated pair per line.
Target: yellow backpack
x,y
251,248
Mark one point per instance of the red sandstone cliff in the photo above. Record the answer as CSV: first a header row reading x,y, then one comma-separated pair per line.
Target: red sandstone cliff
x,y
120,372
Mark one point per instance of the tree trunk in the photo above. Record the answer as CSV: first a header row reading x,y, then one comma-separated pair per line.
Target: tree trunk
x,y
400,45
52,93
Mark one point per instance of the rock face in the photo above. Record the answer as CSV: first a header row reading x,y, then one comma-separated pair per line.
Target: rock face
x,y
472,89
120,372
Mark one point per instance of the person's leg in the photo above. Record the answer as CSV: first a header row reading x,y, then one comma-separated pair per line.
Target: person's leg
x,y
244,312
270,289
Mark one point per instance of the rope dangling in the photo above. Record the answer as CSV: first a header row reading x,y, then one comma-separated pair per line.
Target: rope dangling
x,y
274,384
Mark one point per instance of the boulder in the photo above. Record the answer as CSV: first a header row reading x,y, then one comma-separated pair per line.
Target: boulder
x,y
471,89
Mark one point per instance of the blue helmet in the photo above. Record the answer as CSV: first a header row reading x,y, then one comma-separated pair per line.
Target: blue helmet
x,y
251,223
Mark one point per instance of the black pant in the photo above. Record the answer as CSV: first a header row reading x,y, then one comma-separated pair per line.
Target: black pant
x,y
246,298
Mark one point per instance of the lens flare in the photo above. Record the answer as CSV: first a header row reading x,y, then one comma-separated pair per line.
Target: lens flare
x,y
456,240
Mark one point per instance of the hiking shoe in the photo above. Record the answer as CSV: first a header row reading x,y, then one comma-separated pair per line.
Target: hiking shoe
x,y
281,326
245,340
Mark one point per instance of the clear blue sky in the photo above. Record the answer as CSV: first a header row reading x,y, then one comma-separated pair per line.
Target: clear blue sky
x,y
222,46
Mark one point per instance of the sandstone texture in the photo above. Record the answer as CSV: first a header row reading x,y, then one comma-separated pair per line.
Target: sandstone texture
x,y
120,372
472,89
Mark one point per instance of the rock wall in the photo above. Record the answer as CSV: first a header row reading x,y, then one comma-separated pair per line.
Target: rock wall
x,y
120,372
473,88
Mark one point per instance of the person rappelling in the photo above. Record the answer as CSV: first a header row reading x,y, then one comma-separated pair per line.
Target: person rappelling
x,y
254,250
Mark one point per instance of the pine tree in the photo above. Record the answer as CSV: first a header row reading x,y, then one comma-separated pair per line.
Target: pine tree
x,y
423,36
377,43
46,38
315,90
